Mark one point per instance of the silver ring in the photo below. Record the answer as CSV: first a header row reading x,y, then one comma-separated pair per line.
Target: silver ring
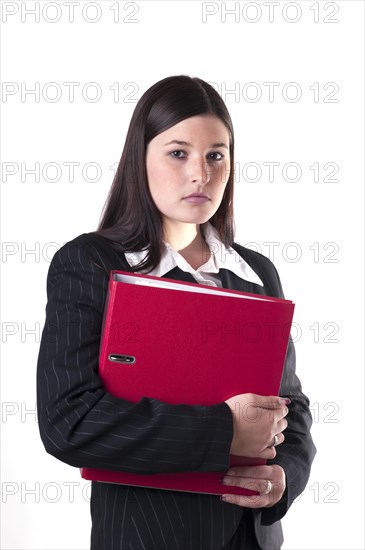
x,y
276,441
269,487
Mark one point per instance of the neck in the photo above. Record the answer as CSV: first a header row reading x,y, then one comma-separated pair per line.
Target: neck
x,y
180,235
187,239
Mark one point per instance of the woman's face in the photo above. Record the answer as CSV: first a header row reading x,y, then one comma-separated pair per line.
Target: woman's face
x,y
188,167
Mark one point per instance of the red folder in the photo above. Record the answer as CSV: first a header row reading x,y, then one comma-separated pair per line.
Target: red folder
x,y
188,343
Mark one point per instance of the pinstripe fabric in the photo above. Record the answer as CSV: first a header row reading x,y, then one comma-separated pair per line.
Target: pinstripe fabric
x,y
83,425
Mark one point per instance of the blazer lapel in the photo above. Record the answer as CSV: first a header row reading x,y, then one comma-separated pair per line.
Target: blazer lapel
x,y
232,281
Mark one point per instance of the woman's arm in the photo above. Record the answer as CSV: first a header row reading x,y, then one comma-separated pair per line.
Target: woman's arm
x,y
297,452
83,425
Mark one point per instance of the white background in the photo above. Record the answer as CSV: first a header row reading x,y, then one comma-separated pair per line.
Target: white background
x,y
315,227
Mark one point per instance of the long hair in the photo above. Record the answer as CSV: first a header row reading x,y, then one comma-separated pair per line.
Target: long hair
x,y
130,218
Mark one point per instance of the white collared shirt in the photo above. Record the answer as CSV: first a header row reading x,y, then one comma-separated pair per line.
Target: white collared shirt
x,y
208,273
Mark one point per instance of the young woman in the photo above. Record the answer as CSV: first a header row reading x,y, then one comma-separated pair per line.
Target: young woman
x,y
169,213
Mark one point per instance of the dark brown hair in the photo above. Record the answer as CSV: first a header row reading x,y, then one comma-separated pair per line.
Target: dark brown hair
x,y
130,218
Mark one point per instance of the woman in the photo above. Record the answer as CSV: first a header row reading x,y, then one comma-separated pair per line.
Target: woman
x,y
169,213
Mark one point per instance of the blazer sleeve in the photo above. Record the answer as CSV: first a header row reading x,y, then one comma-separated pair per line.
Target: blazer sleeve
x,y
85,426
295,455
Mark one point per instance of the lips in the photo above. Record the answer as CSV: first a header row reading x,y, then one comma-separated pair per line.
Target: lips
x,y
197,198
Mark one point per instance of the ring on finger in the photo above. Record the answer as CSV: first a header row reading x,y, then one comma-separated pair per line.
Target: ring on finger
x,y
276,440
269,487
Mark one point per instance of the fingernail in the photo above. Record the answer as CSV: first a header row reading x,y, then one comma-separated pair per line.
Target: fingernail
x,y
286,400
227,480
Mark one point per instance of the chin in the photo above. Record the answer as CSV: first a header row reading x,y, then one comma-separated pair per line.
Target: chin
x,y
195,215
198,216
198,220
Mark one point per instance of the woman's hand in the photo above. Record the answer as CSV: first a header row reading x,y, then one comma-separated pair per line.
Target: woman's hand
x,y
258,423
268,480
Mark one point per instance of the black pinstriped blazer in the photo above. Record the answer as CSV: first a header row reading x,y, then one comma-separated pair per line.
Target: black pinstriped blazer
x,y
83,426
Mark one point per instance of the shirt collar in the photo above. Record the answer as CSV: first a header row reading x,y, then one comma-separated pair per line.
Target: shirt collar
x,y
223,257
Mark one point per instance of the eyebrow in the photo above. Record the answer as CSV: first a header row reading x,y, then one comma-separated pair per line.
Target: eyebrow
x,y
179,142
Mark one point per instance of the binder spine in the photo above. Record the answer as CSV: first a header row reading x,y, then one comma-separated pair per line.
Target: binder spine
x,y
107,317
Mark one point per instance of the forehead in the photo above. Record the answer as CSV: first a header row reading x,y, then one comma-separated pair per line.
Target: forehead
x,y
194,128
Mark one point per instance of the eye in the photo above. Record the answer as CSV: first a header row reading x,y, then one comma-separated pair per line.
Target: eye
x,y
215,158
178,155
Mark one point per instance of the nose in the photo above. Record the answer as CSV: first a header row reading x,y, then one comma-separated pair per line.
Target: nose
x,y
200,171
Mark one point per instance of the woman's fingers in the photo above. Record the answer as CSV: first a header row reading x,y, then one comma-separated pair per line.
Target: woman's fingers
x,y
257,424
262,486
268,452
268,480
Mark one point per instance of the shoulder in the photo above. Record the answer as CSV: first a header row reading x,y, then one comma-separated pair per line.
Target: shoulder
x,y
263,267
88,250
89,242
